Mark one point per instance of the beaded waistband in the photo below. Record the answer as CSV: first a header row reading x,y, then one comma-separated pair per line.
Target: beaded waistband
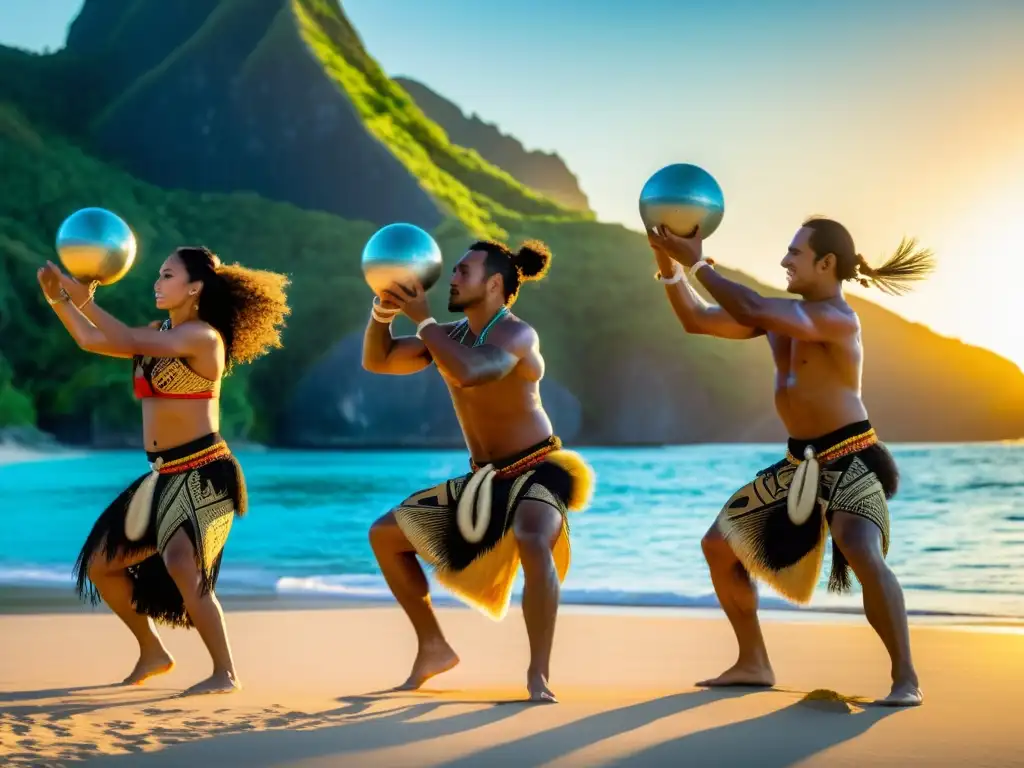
x,y
853,444
195,460
520,464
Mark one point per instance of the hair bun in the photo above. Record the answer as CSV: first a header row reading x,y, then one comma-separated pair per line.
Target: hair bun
x,y
532,260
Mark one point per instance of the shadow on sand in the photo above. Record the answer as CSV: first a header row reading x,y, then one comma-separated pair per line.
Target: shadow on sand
x,y
561,740
6,697
348,729
80,700
781,738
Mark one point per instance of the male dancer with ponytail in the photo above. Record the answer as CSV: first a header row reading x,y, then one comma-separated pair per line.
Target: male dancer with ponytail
x,y
475,529
836,475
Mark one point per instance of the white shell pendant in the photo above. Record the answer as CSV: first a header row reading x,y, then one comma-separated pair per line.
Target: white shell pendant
x,y
140,508
803,490
476,496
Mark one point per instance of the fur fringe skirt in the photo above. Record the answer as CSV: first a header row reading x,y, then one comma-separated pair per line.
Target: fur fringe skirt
x,y
463,527
857,477
197,487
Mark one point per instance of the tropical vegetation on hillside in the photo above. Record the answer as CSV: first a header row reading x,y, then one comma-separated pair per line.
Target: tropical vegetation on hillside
x,y
608,336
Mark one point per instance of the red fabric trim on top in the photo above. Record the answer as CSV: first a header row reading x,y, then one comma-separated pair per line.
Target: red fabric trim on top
x,y
189,396
143,390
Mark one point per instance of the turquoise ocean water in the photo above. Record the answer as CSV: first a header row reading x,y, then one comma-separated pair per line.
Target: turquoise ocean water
x,y
957,522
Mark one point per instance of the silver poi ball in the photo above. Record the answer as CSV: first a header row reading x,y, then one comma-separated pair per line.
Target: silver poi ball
x,y
95,245
681,197
398,252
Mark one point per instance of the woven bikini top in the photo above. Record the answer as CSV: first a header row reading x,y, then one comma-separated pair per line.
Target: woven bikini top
x,y
170,377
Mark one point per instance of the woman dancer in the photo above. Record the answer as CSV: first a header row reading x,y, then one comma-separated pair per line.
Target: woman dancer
x,y
155,553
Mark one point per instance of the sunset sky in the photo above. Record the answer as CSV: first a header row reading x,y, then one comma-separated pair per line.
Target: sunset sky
x,y
895,117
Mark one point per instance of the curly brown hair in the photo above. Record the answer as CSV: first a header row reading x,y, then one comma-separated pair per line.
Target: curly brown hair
x,y
246,306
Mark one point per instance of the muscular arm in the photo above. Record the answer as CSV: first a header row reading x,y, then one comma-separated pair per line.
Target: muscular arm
x,y
473,366
383,353
106,335
696,315
82,330
786,317
699,317
99,317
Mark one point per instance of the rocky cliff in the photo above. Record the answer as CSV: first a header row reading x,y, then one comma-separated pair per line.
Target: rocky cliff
x,y
544,171
226,96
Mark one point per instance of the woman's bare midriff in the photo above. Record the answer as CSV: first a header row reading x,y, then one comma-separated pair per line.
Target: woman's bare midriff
x,y
168,423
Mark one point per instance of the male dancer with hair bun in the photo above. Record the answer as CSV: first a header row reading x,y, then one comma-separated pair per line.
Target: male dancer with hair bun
x,y
475,529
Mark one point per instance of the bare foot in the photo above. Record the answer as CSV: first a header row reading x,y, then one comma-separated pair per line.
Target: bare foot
x,y
754,675
150,664
537,685
903,694
218,682
431,660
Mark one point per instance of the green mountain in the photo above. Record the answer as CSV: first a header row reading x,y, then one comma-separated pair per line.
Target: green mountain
x,y
546,172
264,129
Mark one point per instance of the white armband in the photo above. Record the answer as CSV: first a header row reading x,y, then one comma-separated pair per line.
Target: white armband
x,y
385,315
677,275
698,265
424,324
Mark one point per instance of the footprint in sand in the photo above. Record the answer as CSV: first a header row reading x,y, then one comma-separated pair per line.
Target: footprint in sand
x,y
83,746
292,718
119,729
117,725
134,744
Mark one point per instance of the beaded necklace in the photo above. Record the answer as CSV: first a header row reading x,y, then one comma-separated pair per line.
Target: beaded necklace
x,y
483,334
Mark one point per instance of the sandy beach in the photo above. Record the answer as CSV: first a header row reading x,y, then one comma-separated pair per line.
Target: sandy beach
x,y
314,695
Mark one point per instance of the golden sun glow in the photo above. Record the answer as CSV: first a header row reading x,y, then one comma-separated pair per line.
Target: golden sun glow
x,y
979,290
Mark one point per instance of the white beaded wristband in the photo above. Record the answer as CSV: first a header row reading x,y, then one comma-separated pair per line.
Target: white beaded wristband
x,y
677,275
381,309
424,324
698,265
